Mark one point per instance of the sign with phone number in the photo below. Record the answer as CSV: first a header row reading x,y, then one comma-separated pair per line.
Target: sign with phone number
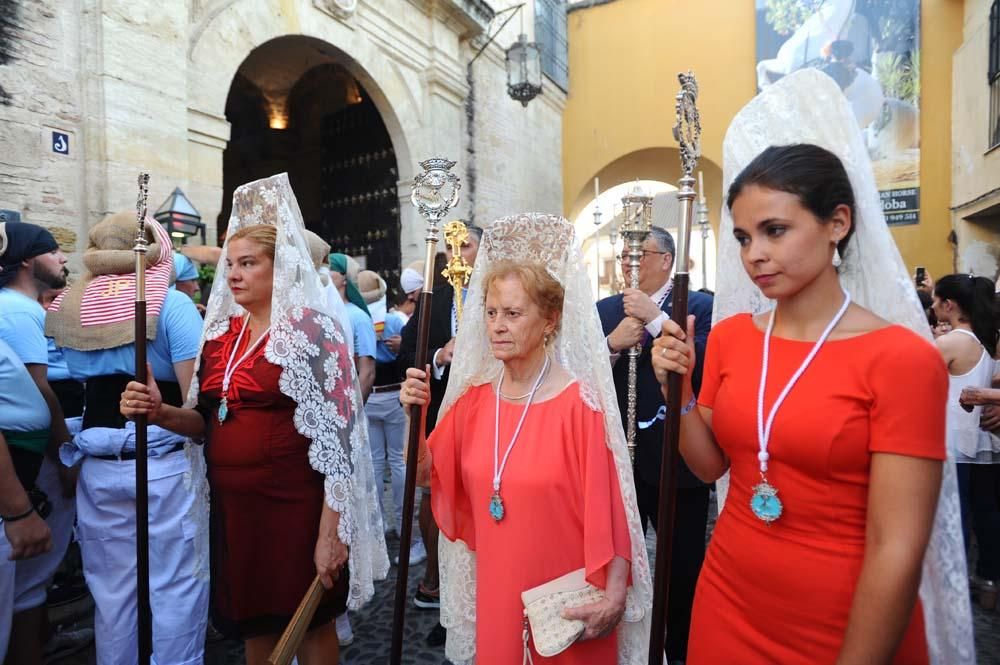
x,y
901,206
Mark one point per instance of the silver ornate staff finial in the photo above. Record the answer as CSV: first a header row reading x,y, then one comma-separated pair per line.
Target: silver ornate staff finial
x,y
140,212
687,130
435,192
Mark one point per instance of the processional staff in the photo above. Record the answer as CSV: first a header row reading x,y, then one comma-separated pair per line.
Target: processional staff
x,y
145,615
458,270
637,220
435,192
687,131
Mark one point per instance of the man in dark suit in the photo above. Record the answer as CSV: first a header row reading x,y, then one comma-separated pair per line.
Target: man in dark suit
x,y
440,346
636,317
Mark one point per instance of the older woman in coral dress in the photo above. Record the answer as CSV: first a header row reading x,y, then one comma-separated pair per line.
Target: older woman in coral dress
x,y
530,477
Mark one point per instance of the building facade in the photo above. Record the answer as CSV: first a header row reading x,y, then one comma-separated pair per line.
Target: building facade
x,y
624,59
975,138
348,96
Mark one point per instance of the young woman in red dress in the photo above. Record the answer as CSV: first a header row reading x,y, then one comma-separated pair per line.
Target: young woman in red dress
x,y
830,421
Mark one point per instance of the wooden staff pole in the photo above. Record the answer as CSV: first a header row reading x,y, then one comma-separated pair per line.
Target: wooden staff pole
x,y
687,131
435,192
145,614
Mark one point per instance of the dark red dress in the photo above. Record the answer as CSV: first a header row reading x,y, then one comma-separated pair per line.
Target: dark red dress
x,y
266,498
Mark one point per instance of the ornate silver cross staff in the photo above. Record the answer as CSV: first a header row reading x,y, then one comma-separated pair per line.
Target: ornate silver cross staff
x,y
435,192
145,615
637,220
687,131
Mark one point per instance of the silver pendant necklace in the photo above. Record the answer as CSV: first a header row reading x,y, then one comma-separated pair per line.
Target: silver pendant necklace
x,y
496,502
227,374
765,503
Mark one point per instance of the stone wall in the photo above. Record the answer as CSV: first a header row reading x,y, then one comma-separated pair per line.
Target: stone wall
x,y
142,84
518,150
40,71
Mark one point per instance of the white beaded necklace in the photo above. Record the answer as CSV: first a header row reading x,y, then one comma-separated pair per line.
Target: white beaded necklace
x,y
496,503
764,503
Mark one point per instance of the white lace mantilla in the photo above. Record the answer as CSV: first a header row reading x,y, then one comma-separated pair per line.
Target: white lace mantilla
x,y
579,348
317,371
808,107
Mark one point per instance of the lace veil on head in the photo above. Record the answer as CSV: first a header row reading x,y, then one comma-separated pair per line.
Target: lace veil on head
x,y
550,241
308,343
808,107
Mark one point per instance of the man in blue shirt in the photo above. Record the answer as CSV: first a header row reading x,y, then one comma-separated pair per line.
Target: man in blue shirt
x,y
24,534
386,420
31,262
344,275
105,451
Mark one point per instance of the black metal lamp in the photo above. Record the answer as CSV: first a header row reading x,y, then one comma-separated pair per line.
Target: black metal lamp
x,y
524,70
180,217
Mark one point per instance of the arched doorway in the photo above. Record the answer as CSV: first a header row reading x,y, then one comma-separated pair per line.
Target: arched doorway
x,y
292,106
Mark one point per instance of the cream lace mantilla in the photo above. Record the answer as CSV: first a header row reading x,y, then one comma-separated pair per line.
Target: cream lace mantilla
x,y
808,107
317,371
579,348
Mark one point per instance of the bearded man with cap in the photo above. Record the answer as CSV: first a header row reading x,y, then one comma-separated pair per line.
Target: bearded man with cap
x,y
344,275
30,263
386,420
93,322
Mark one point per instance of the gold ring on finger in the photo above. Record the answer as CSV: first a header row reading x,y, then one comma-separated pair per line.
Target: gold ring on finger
x,y
663,352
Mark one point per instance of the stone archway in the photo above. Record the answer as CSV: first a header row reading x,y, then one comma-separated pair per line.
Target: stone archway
x,y
221,42
293,108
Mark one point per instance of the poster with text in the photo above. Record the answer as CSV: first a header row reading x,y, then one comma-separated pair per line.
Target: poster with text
x,y
871,48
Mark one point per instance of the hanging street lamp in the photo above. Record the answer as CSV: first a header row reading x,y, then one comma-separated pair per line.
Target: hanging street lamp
x,y
524,70
180,217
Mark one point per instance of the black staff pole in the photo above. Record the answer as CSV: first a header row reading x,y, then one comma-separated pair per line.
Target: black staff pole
x,y
435,192
687,131
145,618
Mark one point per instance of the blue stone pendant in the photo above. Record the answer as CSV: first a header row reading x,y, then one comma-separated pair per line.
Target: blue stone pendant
x,y
765,503
223,411
496,507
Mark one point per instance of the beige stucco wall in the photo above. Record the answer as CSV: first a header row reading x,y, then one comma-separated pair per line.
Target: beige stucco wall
x,y
142,85
975,168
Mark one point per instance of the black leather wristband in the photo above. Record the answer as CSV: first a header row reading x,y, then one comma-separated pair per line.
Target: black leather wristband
x,y
17,518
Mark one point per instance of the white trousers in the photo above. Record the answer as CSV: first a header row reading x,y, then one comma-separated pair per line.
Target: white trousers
x,y
387,437
106,529
23,584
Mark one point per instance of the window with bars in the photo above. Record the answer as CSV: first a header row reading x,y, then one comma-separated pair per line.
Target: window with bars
x,y
550,33
993,74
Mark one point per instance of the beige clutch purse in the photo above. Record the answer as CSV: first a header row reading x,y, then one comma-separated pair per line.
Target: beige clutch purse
x,y
543,607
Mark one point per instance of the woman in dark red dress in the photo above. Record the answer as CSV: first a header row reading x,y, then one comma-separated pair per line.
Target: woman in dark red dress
x,y
288,465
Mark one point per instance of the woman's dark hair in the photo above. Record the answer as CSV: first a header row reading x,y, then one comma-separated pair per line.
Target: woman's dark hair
x,y
976,299
813,174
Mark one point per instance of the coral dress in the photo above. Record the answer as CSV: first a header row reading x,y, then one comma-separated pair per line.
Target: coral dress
x,y
782,593
266,498
563,510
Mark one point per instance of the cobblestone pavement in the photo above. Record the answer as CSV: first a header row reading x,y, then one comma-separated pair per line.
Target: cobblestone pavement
x,y
373,624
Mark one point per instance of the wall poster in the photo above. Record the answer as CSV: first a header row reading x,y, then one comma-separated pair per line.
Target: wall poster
x,y
871,48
